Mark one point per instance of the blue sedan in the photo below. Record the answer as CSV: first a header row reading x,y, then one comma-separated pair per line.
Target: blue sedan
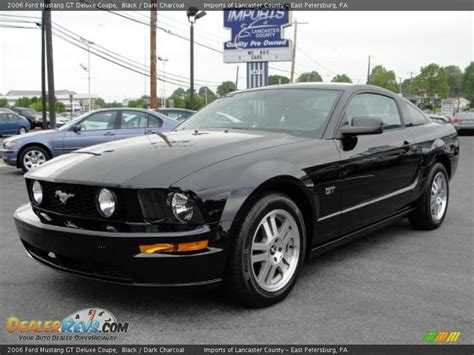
x,y
11,123
30,150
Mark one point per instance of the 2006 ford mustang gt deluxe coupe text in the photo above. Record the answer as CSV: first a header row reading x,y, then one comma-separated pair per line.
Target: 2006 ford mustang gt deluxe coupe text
x,y
243,191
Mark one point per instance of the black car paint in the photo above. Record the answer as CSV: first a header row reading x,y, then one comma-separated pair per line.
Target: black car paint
x,y
344,187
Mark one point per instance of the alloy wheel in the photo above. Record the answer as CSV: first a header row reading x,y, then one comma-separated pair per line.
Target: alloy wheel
x,y
439,197
33,158
275,250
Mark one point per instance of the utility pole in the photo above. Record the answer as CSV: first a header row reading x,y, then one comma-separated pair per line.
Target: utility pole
x,y
193,15
368,72
237,77
43,73
400,81
153,101
88,69
50,64
164,60
205,90
293,54
411,82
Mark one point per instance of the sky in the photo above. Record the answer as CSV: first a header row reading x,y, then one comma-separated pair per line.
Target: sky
x,y
330,43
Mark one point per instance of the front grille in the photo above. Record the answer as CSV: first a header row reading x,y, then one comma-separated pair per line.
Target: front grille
x,y
83,203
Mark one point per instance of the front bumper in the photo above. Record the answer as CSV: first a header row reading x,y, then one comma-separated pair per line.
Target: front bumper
x,y
8,156
115,257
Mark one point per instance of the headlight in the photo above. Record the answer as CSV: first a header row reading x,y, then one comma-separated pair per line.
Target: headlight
x,y
106,201
9,145
182,207
37,193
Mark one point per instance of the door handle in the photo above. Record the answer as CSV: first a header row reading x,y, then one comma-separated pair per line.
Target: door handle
x,y
150,132
108,133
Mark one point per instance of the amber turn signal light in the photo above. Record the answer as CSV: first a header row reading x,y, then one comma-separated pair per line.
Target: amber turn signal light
x,y
174,247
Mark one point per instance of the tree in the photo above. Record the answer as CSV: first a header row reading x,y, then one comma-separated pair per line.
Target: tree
x,y
60,108
226,87
343,78
384,78
177,98
310,77
3,102
140,103
278,79
23,102
100,103
467,83
455,75
205,91
433,79
406,85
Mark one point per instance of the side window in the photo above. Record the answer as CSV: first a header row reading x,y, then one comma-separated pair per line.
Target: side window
x,y
415,116
12,117
154,122
3,117
373,105
133,119
99,121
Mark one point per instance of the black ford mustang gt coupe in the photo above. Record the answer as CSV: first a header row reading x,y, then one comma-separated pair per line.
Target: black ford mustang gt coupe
x,y
243,191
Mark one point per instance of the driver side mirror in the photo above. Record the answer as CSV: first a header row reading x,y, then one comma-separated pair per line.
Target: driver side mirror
x,y
76,128
362,126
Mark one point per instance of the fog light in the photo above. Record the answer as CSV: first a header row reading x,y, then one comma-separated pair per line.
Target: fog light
x,y
106,202
174,247
37,193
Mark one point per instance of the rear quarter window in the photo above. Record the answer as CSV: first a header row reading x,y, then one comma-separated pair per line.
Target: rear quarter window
x,y
414,116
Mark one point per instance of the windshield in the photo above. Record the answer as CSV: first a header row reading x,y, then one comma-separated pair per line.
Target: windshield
x,y
287,110
75,121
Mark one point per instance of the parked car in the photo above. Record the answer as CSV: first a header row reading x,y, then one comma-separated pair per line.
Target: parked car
x,y
177,114
11,123
463,121
439,119
31,150
29,114
298,170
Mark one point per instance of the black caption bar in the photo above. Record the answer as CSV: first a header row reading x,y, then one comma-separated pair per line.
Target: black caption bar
x,y
239,349
215,5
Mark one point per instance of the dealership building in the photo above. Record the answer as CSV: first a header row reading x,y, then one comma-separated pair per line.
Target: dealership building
x,y
71,100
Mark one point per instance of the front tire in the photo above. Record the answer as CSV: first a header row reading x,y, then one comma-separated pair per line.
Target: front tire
x,y
32,157
22,130
267,252
431,207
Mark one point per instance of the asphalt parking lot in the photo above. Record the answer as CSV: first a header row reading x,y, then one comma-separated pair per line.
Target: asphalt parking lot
x,y
391,287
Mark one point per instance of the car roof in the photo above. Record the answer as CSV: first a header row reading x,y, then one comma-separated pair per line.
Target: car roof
x,y
320,86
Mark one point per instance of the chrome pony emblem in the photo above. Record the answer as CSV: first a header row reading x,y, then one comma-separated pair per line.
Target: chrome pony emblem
x,y
63,196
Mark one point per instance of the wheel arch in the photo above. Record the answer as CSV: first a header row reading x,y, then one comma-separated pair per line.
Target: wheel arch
x,y
22,149
285,179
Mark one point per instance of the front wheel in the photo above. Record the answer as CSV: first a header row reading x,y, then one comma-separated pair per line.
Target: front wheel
x,y
32,157
430,209
267,252
22,130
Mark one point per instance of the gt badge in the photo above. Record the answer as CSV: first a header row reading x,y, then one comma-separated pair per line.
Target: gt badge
x,y
330,190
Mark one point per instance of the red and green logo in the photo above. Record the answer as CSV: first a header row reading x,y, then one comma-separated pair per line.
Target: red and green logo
x,y
441,337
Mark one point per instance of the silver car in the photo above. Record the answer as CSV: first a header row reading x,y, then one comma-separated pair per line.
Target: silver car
x,y
463,121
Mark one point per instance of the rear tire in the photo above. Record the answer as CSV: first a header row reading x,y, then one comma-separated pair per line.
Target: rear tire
x,y
432,206
267,252
32,157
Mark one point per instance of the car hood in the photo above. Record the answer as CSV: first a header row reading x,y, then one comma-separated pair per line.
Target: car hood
x,y
31,134
156,160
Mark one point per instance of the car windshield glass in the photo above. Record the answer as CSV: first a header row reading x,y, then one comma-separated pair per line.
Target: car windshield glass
x,y
74,122
28,112
285,110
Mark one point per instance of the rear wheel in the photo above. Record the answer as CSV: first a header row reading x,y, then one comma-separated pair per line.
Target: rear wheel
x,y
32,157
267,252
430,209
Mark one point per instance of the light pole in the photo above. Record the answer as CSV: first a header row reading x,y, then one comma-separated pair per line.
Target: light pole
x,y
164,60
88,68
193,14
